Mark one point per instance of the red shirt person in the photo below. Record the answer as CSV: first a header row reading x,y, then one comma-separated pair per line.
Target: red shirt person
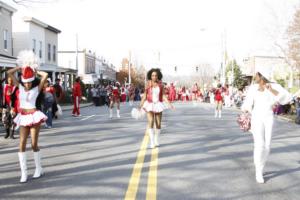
x,y
8,90
76,97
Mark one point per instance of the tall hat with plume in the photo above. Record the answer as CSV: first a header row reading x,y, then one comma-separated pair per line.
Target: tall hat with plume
x,y
265,71
29,63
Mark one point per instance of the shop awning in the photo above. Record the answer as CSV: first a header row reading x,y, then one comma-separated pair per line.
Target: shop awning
x,y
7,61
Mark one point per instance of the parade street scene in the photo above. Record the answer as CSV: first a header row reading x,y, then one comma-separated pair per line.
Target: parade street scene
x,y
147,100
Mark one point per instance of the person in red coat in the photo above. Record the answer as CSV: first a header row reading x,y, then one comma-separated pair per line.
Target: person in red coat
x,y
76,97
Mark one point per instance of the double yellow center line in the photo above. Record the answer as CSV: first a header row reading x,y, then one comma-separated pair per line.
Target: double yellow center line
x,y
137,170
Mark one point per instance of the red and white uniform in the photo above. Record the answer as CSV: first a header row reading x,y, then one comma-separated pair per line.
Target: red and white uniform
x,y
123,94
172,94
154,102
27,100
218,95
76,98
115,94
8,90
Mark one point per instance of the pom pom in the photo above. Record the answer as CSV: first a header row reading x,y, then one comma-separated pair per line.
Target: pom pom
x,y
138,113
28,58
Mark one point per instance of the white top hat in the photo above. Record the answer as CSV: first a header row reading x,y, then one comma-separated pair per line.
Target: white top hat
x,y
265,71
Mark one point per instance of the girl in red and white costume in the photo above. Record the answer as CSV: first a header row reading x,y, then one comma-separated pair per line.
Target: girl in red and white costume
x,y
123,94
218,101
115,98
131,94
7,116
152,103
195,90
29,119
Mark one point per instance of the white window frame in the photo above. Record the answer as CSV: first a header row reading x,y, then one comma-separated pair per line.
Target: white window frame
x,y
49,52
41,50
34,45
54,53
5,39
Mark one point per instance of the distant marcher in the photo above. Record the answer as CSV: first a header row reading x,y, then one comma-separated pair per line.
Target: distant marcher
x,y
76,97
7,117
218,101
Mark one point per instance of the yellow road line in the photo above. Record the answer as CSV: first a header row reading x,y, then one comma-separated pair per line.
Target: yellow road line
x,y
137,169
152,176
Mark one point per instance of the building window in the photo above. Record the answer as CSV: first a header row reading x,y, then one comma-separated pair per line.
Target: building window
x,y
54,53
40,51
49,52
5,38
33,45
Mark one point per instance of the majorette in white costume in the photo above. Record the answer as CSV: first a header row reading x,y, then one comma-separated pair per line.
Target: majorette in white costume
x,y
29,117
152,103
259,102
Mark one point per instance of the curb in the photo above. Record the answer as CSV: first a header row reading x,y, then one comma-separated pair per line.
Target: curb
x,y
81,106
284,119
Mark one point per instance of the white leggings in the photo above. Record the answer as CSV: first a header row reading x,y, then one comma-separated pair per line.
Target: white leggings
x,y
262,129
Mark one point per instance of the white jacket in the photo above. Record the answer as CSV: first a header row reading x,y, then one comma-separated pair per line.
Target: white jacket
x,y
260,103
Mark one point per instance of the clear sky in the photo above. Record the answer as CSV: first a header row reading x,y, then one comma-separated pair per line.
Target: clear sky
x,y
185,32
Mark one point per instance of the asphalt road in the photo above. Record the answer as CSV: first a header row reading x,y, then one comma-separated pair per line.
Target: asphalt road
x,y
200,157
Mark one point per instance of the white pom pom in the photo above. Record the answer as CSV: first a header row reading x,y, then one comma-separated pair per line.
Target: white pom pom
x,y
28,58
137,114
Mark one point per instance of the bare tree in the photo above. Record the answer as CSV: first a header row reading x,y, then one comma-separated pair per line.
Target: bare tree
x,y
30,2
293,32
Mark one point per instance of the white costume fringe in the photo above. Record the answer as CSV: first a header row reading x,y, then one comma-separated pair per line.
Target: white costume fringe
x,y
154,107
31,119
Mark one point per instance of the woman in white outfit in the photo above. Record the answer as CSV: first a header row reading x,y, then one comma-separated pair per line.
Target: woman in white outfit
x,y
152,103
29,118
259,101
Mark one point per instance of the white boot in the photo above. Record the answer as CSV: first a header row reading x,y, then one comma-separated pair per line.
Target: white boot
x,y
259,174
38,167
220,113
23,166
216,113
118,113
151,137
156,138
110,113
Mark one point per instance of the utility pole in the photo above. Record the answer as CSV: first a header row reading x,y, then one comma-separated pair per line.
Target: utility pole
x,y
232,72
129,68
77,53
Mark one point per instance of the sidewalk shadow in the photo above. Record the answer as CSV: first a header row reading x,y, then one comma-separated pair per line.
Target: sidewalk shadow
x,y
273,174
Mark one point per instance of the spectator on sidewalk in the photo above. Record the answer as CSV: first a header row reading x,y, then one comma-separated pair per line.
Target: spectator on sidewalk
x,y
58,91
95,95
49,99
103,93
